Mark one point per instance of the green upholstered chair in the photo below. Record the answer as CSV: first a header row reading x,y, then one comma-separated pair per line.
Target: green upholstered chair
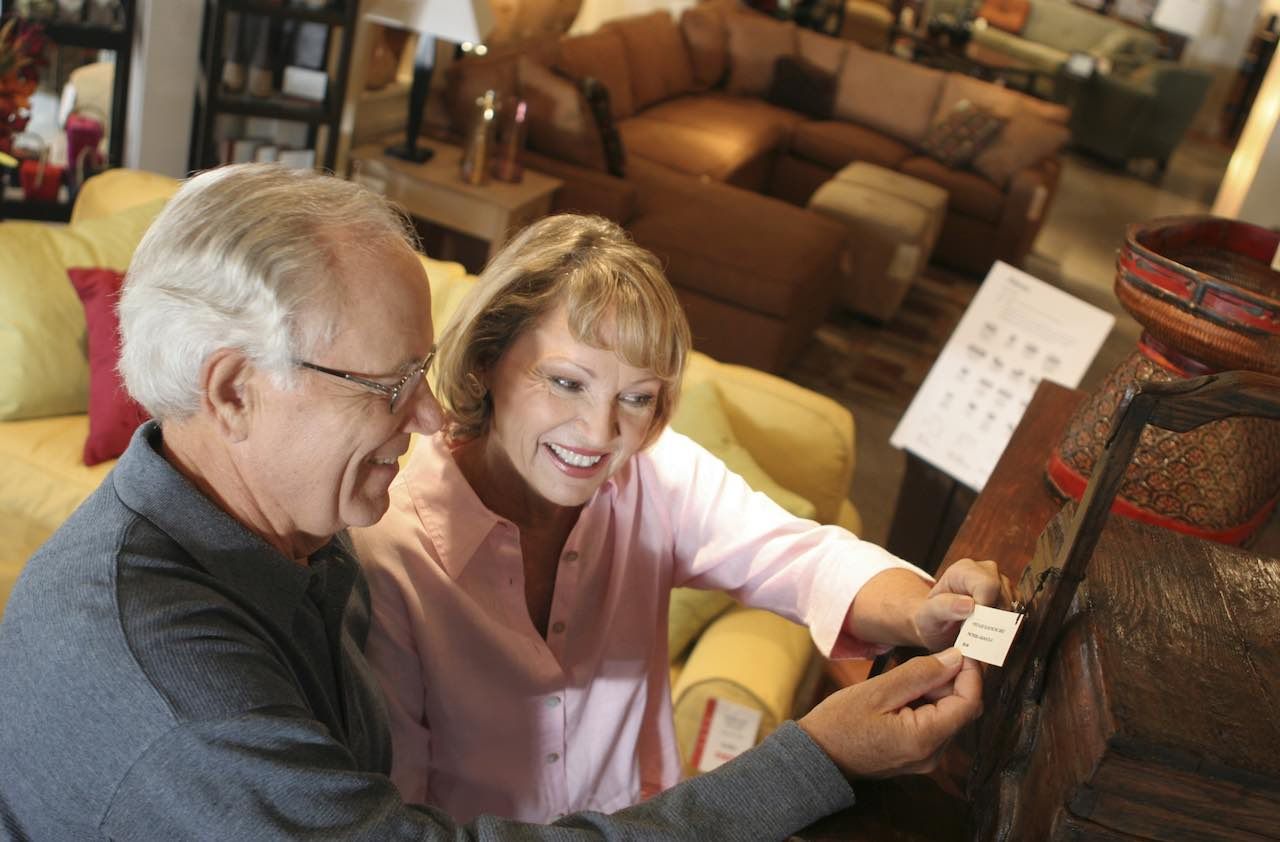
x,y
1142,116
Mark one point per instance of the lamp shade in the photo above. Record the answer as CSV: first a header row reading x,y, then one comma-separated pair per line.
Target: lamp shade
x,y
456,21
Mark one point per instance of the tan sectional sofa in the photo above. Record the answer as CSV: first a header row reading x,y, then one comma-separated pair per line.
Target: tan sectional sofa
x,y
715,176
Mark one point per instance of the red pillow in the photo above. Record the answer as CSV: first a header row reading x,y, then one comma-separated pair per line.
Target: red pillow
x,y
113,415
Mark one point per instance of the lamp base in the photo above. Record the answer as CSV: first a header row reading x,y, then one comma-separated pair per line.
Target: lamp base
x,y
418,154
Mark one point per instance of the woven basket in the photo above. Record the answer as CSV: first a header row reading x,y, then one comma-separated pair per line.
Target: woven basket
x,y
1204,291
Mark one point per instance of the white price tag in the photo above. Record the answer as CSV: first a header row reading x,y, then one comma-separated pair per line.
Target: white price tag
x,y
728,729
987,634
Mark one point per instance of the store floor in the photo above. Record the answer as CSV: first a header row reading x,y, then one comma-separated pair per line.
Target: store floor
x,y
1075,251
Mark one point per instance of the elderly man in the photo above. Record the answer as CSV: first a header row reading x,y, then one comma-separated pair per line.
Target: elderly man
x,y
183,658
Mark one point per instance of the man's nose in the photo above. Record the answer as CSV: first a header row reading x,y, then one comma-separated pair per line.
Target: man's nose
x,y
425,415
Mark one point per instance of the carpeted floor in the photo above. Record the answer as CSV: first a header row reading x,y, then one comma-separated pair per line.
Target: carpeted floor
x,y
874,366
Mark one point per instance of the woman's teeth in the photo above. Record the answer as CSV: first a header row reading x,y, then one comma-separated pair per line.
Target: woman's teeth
x,y
391,460
577,460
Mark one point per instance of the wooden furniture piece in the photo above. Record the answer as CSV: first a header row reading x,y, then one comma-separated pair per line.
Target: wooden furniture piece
x,y
1003,524
1129,708
434,191
321,119
118,40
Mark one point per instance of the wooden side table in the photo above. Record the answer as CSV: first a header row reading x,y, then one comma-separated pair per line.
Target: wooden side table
x,y
435,191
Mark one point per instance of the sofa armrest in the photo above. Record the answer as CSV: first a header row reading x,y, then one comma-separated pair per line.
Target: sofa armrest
x,y
1029,194
803,440
586,190
115,190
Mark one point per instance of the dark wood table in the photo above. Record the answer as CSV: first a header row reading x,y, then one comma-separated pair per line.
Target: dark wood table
x,y
1003,524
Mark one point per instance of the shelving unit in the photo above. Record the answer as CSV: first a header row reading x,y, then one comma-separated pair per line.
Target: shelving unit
x,y
212,101
119,40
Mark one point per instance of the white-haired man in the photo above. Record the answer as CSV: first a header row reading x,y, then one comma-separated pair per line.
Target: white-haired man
x,y
183,658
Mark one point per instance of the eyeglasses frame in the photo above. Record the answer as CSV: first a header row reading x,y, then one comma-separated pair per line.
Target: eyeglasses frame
x,y
393,393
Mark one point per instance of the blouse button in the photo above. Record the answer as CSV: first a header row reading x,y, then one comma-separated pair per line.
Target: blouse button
x,y
557,627
553,701
572,555
553,757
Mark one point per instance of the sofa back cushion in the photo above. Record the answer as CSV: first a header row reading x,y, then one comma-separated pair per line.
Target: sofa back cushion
x,y
656,58
560,122
958,88
888,94
1024,142
1067,27
707,40
756,42
601,55
42,322
822,50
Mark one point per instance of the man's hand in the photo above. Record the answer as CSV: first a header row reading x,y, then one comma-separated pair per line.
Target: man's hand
x,y
898,723
938,618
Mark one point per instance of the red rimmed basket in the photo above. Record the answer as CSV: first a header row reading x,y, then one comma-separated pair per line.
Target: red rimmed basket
x,y
1204,291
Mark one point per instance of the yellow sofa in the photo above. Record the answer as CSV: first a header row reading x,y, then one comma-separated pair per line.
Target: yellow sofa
x,y
787,441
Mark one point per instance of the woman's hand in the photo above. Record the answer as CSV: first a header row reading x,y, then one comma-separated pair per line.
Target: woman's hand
x,y
937,619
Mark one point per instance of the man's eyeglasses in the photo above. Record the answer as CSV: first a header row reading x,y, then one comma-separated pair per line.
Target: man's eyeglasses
x,y
397,394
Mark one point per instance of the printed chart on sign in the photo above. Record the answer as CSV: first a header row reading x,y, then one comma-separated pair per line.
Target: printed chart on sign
x,y
1017,331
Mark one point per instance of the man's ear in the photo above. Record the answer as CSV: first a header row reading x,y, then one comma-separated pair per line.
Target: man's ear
x,y
229,393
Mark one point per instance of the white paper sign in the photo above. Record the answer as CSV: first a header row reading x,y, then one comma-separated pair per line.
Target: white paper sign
x,y
728,729
987,634
1017,331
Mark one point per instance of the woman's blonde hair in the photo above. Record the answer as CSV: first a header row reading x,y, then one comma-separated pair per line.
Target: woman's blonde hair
x,y
616,295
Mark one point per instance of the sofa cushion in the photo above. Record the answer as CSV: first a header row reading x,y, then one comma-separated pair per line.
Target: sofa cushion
x,y
733,245
602,55
967,192
801,85
958,88
889,94
560,123
701,417
714,135
1009,15
1024,142
42,325
834,144
113,414
823,50
707,40
656,57
756,42
958,137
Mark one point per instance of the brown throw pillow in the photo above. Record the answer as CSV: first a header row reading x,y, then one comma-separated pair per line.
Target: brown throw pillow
x,y
956,139
756,42
560,123
802,86
1024,142
597,96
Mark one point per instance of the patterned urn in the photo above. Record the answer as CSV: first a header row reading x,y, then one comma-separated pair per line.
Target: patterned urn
x,y
1208,300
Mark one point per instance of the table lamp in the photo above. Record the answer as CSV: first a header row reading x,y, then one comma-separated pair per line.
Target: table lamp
x,y
455,21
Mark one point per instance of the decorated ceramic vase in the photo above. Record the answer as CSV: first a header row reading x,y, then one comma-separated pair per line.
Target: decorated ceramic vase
x,y
1208,300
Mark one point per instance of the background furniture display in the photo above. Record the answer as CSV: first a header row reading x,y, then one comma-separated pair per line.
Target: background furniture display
x,y
115,36
1142,116
435,191
321,119
715,177
869,22
893,221
1244,89
791,443
1055,29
